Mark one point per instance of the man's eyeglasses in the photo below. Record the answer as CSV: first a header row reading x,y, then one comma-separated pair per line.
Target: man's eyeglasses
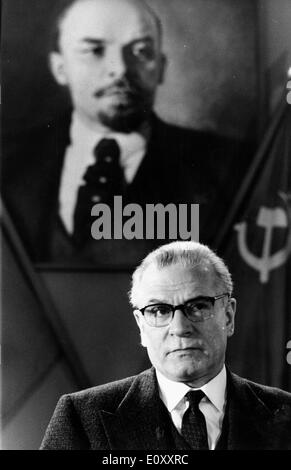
x,y
196,310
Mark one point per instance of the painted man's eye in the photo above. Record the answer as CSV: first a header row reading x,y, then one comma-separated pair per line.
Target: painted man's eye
x,y
98,51
143,51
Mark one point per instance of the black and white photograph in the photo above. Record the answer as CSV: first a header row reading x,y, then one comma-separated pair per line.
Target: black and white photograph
x,y
146,173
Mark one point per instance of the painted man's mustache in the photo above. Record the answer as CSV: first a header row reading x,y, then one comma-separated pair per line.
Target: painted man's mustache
x,y
118,87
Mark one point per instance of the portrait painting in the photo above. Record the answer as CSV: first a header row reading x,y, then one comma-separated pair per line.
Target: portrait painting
x,y
184,132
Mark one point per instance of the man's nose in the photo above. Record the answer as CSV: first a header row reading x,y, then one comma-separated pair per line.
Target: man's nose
x,y
116,64
180,324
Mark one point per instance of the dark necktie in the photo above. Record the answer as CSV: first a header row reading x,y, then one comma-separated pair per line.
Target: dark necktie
x,y
102,181
193,424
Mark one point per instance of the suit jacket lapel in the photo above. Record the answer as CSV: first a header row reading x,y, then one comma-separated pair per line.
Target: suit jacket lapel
x,y
252,425
32,195
53,153
150,184
137,423
55,148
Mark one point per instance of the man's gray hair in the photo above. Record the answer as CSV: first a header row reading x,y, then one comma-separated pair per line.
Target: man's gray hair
x,y
188,254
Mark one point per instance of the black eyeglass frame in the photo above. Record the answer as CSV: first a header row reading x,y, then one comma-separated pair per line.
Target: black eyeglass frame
x,y
182,308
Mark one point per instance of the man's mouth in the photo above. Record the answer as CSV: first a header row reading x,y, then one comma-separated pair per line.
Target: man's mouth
x,y
185,350
116,91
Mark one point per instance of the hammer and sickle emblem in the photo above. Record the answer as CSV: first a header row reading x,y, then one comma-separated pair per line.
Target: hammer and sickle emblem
x,y
268,219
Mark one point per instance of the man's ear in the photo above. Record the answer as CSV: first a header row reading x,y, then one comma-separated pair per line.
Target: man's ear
x,y
139,321
230,315
163,66
57,68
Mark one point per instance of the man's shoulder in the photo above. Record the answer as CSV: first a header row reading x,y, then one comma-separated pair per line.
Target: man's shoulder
x,y
206,135
104,391
34,150
188,142
272,397
106,396
15,140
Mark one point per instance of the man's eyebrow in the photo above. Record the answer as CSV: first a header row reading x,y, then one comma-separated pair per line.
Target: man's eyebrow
x,y
157,301
94,41
99,42
148,39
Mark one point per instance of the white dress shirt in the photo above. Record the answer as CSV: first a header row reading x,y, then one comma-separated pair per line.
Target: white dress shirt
x,y
212,405
79,155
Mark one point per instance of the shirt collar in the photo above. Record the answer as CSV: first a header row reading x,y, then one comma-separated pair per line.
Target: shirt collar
x,y
173,392
87,138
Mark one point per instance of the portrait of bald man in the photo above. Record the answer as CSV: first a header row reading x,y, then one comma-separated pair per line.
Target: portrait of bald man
x,y
182,299
108,56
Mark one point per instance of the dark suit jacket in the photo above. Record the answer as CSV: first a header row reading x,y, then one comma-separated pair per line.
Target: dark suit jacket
x,y
180,166
125,415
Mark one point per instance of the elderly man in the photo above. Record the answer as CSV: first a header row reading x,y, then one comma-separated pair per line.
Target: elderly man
x,y
182,299
108,55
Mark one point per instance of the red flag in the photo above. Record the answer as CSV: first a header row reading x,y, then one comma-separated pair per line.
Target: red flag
x,y
259,256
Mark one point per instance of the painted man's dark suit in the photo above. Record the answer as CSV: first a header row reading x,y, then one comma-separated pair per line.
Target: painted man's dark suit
x,y
180,166
128,414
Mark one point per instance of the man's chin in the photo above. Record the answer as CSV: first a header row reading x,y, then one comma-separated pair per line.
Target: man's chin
x,y
185,368
184,375
124,119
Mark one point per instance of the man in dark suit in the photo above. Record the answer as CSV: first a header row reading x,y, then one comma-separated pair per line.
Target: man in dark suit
x,y
108,55
182,299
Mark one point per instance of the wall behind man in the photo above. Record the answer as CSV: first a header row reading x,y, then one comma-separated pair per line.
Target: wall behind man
x,y
34,369
60,332
212,70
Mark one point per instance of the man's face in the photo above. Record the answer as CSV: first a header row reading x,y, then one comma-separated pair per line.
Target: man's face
x,y
185,351
111,61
